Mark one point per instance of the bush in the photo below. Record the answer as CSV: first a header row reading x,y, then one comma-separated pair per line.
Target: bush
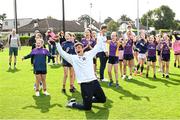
x,y
24,40
79,36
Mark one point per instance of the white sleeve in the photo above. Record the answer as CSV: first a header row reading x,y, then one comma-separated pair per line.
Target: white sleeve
x,y
64,54
97,48
103,40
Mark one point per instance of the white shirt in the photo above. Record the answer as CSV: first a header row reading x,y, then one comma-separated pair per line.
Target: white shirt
x,y
14,41
83,65
104,39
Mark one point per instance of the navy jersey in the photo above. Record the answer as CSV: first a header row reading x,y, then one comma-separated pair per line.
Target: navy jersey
x,y
39,55
142,46
68,46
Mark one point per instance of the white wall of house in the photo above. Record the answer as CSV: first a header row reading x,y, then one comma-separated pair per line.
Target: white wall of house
x,y
8,24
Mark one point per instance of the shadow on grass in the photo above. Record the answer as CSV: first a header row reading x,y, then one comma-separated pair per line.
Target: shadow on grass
x,y
140,83
55,66
102,113
178,75
125,93
42,103
13,70
174,80
165,81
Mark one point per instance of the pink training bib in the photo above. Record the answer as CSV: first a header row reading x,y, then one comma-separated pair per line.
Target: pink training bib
x,y
176,46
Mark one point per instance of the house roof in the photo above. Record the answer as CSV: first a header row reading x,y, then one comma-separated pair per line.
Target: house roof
x,y
44,24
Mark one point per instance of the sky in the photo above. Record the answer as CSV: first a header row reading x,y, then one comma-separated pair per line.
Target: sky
x,y
101,9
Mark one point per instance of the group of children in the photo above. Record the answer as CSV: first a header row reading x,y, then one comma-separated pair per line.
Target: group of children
x,y
145,49
121,53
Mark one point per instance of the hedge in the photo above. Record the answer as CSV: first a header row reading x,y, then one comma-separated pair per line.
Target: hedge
x,y
24,40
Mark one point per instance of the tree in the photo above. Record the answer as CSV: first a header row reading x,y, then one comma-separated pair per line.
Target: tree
x,y
107,20
165,18
125,18
148,19
160,18
112,26
3,16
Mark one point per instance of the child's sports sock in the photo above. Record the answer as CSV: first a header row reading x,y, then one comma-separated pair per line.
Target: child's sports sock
x,y
142,67
138,67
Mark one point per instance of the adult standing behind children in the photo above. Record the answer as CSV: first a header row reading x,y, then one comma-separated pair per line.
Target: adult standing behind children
x,y
14,44
103,55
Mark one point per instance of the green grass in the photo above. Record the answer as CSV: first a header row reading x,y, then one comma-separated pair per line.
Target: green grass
x,y
139,98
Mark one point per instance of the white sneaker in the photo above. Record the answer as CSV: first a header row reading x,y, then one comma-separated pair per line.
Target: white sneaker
x,y
70,104
37,93
104,80
46,93
49,63
124,77
130,77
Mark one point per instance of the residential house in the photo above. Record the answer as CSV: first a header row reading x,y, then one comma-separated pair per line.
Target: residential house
x,y
43,24
8,24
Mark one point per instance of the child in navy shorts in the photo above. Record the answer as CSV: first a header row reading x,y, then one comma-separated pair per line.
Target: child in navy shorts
x,y
40,69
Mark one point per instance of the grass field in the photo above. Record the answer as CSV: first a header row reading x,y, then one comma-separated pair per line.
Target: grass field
x,y
139,98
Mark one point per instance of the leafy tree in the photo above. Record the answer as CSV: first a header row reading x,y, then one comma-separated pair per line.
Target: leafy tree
x,y
112,26
3,16
165,18
148,18
125,18
160,18
107,20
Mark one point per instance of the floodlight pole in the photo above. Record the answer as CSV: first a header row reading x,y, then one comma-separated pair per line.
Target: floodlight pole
x,y
15,16
63,16
90,16
137,17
